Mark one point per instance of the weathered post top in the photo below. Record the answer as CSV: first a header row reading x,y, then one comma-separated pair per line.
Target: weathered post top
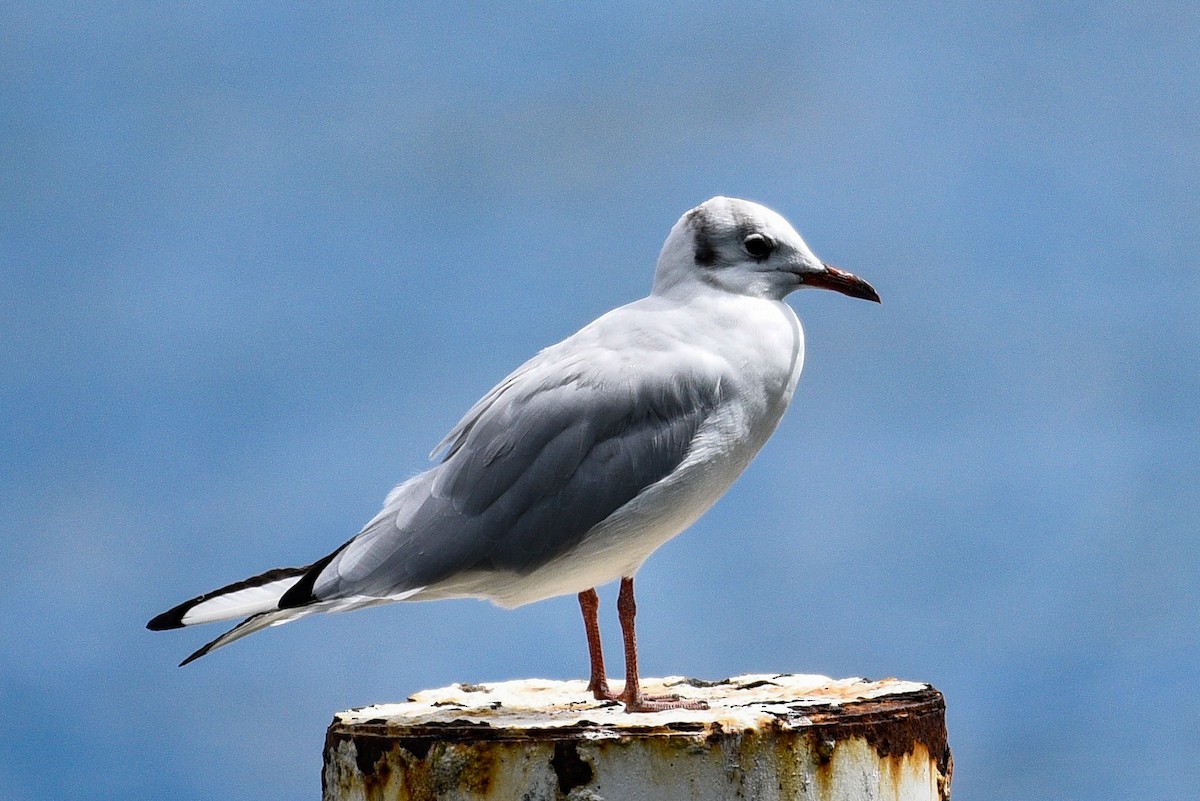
x,y
771,737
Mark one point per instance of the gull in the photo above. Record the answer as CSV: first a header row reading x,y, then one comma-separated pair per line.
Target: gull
x,y
571,471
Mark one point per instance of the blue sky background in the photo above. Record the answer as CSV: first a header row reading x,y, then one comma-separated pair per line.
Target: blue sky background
x,y
255,262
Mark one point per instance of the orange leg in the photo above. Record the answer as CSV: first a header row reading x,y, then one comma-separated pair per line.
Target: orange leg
x,y
632,695
589,603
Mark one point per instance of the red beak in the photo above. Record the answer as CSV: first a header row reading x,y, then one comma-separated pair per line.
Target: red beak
x,y
842,281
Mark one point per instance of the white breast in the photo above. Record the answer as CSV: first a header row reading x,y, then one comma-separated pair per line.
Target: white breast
x,y
760,347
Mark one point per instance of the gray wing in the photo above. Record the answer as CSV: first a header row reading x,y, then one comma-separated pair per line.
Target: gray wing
x,y
528,472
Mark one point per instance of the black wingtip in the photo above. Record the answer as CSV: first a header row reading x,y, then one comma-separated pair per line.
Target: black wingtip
x,y
301,593
170,619
197,654
173,617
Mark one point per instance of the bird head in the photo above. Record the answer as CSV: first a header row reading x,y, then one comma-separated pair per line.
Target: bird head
x,y
741,247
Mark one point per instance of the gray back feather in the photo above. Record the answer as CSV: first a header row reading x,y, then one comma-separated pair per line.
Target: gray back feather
x,y
528,473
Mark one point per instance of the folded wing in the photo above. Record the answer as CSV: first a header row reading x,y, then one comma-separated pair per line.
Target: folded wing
x,y
528,473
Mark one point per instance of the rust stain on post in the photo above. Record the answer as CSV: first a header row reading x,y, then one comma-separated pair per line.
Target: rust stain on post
x,y
775,737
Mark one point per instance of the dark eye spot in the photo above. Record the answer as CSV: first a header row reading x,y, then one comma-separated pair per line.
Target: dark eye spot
x,y
758,246
705,254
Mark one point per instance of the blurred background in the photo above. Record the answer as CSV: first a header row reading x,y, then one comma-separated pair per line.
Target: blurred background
x,y
255,262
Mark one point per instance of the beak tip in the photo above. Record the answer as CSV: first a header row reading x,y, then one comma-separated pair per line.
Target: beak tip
x,y
846,283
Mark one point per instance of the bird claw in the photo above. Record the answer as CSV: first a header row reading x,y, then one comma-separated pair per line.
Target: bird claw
x,y
601,692
643,703
659,703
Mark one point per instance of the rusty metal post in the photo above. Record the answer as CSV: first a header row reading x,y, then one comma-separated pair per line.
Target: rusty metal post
x,y
764,737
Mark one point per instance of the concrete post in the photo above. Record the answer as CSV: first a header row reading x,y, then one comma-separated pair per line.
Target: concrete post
x,y
764,737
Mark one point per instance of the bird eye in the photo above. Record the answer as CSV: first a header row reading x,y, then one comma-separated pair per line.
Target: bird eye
x,y
758,246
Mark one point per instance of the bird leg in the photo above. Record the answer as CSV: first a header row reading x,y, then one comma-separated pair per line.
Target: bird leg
x,y
632,694
589,603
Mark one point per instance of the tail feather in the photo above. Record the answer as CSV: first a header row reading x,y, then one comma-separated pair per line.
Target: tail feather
x,y
276,617
250,596
250,625
259,599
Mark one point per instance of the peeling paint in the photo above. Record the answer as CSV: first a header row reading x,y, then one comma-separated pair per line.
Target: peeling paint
x,y
771,737
571,771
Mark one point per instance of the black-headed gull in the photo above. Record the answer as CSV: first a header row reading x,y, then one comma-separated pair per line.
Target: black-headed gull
x,y
587,458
